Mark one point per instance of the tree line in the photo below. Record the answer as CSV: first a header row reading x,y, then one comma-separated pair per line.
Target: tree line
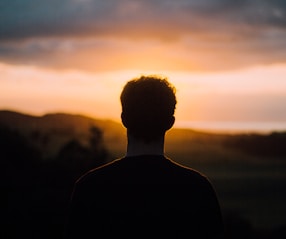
x,y
36,190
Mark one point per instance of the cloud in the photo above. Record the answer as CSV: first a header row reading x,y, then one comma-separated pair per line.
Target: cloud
x,y
31,18
48,33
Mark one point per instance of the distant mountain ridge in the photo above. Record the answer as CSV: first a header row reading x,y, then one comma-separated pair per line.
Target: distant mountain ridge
x,y
16,119
64,126
51,131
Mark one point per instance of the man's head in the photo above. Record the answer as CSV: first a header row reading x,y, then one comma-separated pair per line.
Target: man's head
x,y
148,106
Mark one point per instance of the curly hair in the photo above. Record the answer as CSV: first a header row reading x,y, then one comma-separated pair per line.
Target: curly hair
x,y
148,106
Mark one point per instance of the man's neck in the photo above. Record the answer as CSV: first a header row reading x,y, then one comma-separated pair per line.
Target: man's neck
x,y
137,147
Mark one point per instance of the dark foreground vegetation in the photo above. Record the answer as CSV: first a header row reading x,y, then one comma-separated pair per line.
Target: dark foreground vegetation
x,y
41,158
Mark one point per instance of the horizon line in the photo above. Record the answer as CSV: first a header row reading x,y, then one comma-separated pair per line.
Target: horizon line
x,y
223,126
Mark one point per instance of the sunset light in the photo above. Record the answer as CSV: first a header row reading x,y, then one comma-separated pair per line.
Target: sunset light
x,y
250,95
227,65
63,66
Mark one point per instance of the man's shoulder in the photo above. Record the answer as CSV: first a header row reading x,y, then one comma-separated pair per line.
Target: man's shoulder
x,y
187,171
101,171
145,168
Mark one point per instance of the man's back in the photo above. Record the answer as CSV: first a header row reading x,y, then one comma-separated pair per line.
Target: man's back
x,y
144,196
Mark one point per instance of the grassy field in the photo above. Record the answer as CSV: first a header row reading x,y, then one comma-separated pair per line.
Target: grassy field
x,y
248,186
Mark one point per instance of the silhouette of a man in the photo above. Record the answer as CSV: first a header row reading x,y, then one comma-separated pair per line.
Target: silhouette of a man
x,y
145,194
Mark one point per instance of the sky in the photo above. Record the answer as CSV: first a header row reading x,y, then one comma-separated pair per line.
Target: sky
x,y
226,58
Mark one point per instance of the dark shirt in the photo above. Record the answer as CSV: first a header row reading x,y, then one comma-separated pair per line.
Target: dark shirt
x,y
144,197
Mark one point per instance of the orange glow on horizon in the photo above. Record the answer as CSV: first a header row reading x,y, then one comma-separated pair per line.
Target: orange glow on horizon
x,y
201,96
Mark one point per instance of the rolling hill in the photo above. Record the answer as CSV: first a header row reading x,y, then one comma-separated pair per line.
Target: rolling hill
x,y
49,132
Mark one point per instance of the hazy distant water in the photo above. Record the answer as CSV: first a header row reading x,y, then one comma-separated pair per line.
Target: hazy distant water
x,y
260,127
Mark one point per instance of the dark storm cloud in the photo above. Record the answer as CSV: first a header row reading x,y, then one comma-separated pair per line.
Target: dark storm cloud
x,y
31,28
34,18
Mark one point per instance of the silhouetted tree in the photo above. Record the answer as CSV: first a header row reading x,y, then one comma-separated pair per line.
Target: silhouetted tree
x,y
75,158
15,149
96,144
19,165
36,192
